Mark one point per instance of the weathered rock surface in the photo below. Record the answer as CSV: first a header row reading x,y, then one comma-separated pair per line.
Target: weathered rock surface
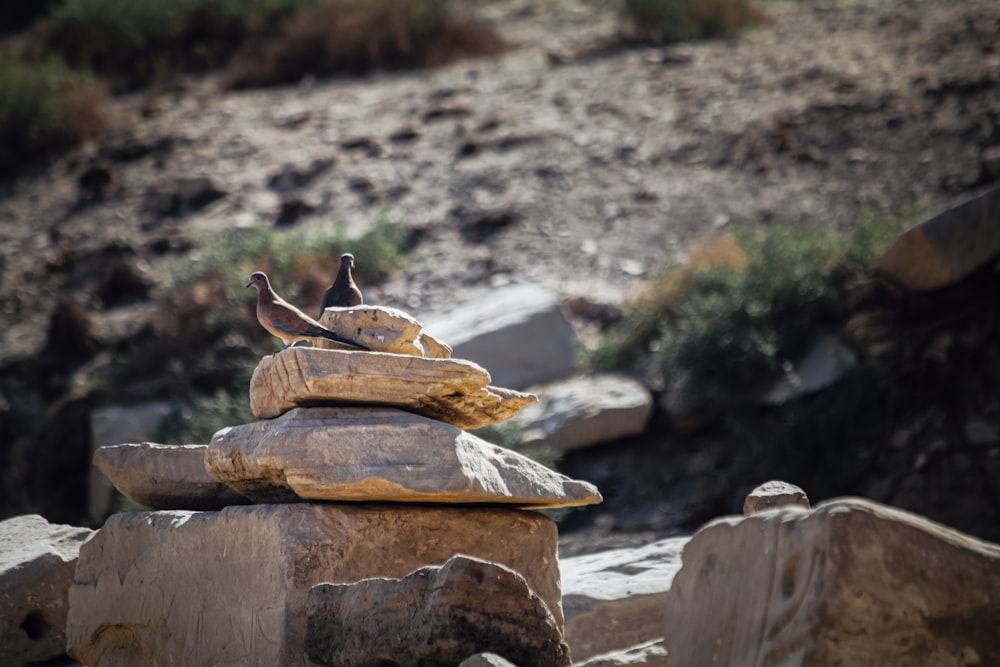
x,y
380,454
170,477
947,247
382,329
520,333
773,495
615,599
584,411
451,390
650,654
37,560
850,582
229,587
111,425
434,617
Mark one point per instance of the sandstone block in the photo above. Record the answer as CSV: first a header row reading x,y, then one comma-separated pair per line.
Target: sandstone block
x,y
615,599
165,476
772,495
451,390
584,411
382,329
229,587
111,425
37,560
850,582
947,247
520,333
380,454
434,617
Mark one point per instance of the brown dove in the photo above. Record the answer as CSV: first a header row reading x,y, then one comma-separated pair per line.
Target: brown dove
x,y
344,292
287,322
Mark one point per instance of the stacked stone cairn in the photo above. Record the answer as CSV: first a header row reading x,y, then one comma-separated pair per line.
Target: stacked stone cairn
x,y
358,522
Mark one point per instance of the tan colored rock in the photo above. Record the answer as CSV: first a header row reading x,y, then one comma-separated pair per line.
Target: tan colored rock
x,y
164,476
946,248
615,599
773,495
450,390
433,616
850,582
381,454
584,411
37,560
229,587
648,654
382,329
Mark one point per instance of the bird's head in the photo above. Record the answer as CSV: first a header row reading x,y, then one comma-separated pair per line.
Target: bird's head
x,y
347,259
258,279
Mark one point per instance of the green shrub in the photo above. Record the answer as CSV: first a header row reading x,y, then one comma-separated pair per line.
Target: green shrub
x,y
744,304
678,20
45,107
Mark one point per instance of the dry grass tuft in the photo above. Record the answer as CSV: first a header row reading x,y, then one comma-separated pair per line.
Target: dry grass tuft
x,y
358,37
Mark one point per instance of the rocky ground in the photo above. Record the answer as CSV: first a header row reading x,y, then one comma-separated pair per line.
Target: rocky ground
x,y
568,162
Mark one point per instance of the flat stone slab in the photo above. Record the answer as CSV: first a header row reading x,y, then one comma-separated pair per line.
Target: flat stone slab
x,y
450,390
433,616
382,329
37,561
851,582
230,587
169,477
584,411
615,599
381,454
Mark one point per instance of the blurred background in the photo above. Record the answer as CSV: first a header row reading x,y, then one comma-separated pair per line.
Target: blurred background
x,y
707,185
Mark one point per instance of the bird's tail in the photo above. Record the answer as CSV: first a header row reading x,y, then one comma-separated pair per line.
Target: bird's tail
x,y
337,338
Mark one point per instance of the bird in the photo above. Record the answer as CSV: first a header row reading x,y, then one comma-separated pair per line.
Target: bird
x,y
287,322
344,292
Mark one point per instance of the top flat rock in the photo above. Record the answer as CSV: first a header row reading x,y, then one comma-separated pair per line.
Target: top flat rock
x,y
454,391
382,329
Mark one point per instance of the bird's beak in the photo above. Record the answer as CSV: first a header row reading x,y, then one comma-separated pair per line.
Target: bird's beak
x,y
249,283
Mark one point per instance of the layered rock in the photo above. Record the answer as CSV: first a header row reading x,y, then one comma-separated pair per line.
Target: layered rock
x,y
850,582
165,476
450,390
230,587
37,560
435,616
371,454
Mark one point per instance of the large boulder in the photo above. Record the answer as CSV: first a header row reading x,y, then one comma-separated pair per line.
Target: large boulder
x,y
381,454
230,587
520,333
434,617
165,476
450,390
37,560
947,247
585,410
850,582
615,599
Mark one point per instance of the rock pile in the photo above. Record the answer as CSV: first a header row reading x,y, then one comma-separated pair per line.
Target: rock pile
x,y
358,483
